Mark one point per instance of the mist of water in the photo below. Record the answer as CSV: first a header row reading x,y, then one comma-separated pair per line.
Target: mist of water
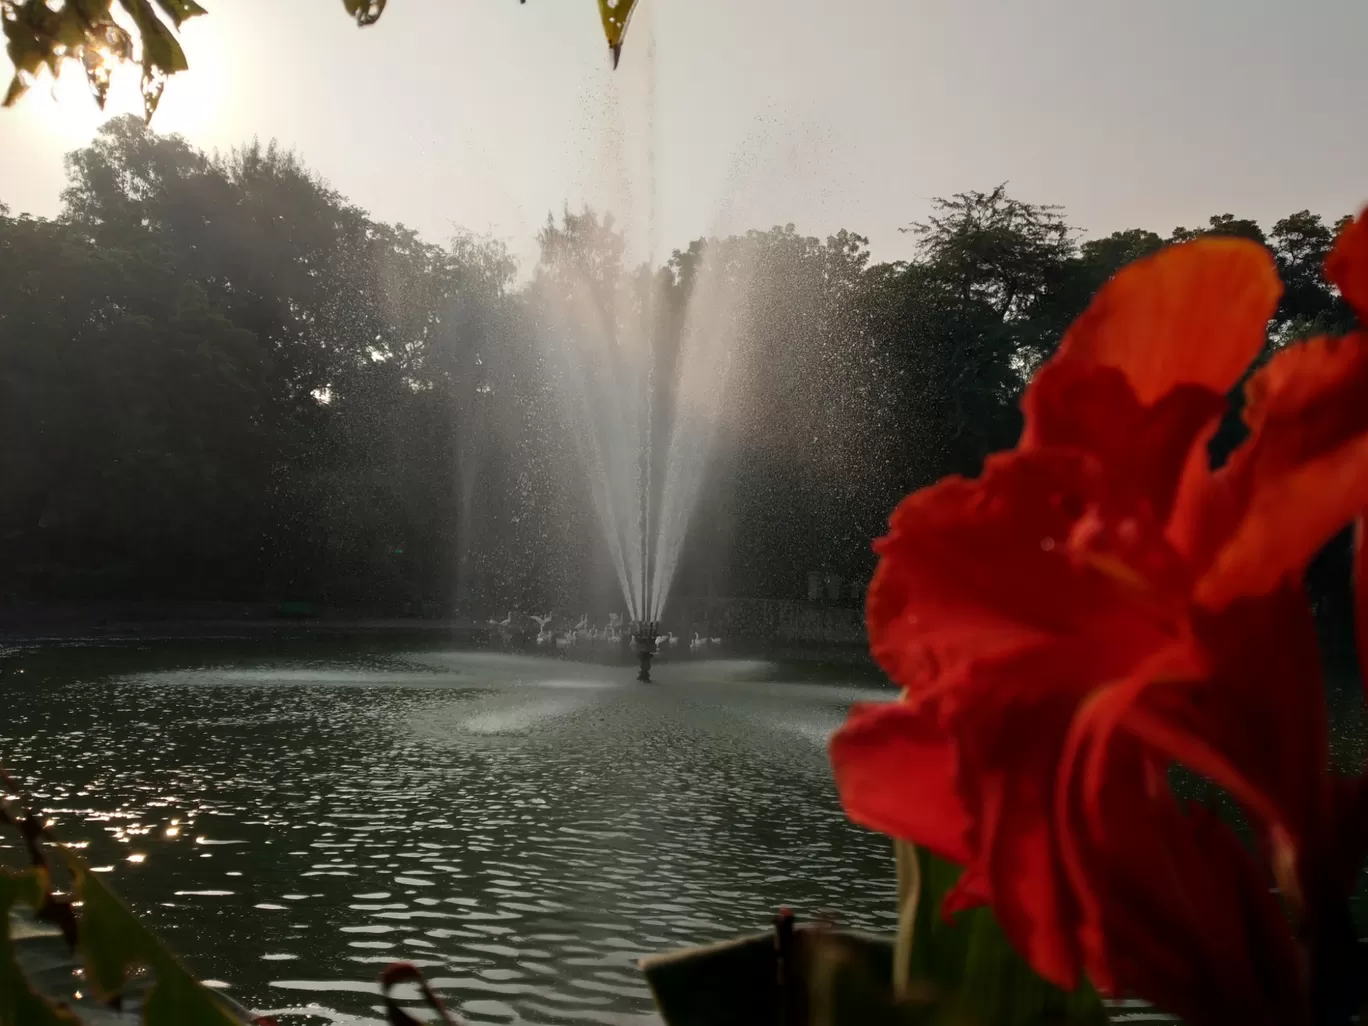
x,y
604,378
605,346
700,384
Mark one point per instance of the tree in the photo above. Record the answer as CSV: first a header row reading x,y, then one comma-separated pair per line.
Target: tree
x,y
1301,242
134,409
994,250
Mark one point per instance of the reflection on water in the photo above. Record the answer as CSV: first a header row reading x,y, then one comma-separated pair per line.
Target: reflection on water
x,y
522,829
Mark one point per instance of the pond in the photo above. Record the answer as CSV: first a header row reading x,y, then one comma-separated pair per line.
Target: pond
x,y
293,815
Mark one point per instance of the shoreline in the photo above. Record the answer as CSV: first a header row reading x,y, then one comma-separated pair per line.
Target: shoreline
x,y
37,626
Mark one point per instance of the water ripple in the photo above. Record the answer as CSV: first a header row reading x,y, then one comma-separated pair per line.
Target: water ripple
x,y
523,829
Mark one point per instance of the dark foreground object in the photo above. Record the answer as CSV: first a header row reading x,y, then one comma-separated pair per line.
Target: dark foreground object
x,y
795,974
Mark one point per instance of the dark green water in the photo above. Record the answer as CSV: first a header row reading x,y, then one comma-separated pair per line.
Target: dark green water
x,y
292,816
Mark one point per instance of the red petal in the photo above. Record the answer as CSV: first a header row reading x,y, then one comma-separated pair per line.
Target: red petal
x,y
1253,720
972,570
1195,314
1079,405
1347,266
897,772
1176,911
1011,716
1300,477
1030,896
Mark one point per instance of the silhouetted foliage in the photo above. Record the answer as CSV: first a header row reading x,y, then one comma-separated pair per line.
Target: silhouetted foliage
x,y
219,379
44,34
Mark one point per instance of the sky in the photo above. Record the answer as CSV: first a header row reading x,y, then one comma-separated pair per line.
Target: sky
x,y
486,115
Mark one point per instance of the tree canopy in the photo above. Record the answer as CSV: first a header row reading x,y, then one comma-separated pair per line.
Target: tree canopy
x,y
219,378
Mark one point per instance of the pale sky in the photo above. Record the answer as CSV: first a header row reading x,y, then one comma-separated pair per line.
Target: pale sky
x,y
487,114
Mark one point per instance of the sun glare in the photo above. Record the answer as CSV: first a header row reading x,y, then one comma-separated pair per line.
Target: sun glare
x,y
66,108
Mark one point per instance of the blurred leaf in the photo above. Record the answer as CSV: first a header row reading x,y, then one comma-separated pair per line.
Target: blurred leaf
x,y
20,1005
179,10
615,14
114,944
115,46
970,957
152,86
162,55
95,12
366,12
27,48
160,49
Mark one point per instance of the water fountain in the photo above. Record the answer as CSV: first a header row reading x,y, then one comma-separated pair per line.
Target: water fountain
x,y
644,427
644,644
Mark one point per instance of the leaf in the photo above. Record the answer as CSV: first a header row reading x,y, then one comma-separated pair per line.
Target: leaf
x,y
26,52
179,10
615,14
160,49
93,11
971,958
153,84
162,55
20,1004
114,943
366,12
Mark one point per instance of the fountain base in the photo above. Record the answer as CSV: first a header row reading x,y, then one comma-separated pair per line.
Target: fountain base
x,y
644,644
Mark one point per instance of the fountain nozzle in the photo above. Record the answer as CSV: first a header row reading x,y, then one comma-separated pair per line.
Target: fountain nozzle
x,y
644,637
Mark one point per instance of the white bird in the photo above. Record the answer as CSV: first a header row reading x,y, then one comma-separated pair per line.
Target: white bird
x,y
697,642
507,621
715,641
583,623
542,621
564,640
544,636
672,639
661,639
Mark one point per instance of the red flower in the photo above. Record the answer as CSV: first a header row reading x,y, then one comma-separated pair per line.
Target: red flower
x,y
1101,604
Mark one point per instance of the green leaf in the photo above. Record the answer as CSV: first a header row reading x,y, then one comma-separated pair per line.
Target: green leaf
x,y
113,943
160,49
26,52
615,14
95,12
971,957
179,10
366,12
20,1004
